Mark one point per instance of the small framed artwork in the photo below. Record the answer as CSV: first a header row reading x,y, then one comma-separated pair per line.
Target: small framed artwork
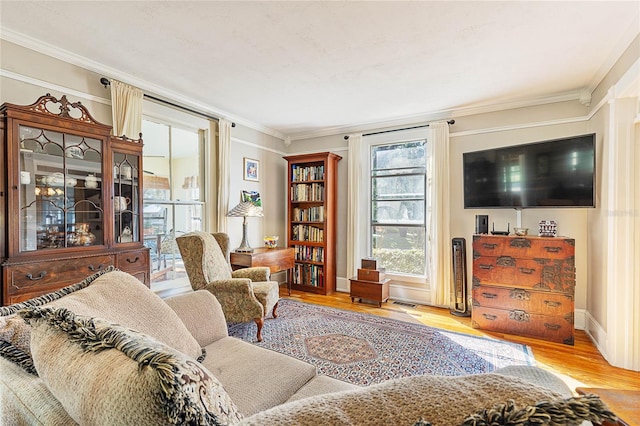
x,y
251,169
253,197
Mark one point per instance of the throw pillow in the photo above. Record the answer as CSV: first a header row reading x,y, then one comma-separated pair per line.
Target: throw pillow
x,y
121,298
152,384
15,334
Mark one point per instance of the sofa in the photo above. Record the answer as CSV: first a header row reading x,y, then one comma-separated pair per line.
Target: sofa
x,y
108,351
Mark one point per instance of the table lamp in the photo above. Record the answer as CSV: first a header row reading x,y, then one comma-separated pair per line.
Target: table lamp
x,y
245,209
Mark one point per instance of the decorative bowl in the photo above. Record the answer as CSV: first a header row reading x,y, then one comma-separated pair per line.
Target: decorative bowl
x,y
271,241
521,231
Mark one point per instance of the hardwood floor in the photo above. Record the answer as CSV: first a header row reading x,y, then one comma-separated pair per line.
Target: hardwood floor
x,y
579,365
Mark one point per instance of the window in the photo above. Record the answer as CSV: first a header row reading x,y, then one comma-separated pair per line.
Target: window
x,y
398,205
173,200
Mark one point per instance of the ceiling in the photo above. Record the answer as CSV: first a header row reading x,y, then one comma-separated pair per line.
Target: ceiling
x,y
302,68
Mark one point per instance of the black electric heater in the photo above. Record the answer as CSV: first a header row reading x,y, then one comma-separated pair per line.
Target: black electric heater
x,y
458,303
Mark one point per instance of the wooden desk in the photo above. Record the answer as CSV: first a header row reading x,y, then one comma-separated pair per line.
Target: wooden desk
x,y
277,259
624,403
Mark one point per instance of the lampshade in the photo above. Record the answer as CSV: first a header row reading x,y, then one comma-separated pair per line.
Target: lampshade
x,y
244,209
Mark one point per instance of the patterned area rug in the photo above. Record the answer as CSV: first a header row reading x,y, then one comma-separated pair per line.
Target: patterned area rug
x,y
365,349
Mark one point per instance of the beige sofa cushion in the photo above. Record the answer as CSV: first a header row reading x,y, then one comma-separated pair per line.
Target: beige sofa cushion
x,y
75,356
256,378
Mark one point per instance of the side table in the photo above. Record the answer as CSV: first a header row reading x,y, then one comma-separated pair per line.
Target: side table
x,y
277,259
370,290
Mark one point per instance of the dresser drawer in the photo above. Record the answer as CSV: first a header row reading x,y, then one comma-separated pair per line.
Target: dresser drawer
x,y
545,274
43,277
523,247
552,328
538,302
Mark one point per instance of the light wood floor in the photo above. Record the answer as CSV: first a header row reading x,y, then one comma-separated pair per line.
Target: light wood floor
x,y
579,365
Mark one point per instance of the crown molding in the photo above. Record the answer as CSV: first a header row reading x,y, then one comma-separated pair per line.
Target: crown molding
x,y
574,95
154,89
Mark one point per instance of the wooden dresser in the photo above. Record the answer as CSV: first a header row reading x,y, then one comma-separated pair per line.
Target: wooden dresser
x,y
524,286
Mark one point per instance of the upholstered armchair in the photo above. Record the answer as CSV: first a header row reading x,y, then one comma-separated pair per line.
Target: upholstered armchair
x,y
245,294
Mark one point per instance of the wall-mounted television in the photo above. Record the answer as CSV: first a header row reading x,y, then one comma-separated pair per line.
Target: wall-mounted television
x,y
553,173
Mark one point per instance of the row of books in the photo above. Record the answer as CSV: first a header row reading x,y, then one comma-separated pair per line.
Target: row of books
x,y
307,233
313,254
308,192
311,214
312,275
300,174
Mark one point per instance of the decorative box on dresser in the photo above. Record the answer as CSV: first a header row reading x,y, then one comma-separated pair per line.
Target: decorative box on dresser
x,y
311,220
524,286
71,199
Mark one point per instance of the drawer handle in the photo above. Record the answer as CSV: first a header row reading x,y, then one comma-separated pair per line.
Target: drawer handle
x,y
552,303
490,317
527,271
489,295
489,246
554,327
134,260
506,261
520,316
96,268
553,249
520,243
519,294
488,267
39,277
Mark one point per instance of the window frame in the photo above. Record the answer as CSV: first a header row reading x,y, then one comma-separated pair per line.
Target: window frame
x,y
371,142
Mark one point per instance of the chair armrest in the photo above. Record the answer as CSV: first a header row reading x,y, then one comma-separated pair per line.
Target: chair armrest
x,y
202,314
238,301
256,273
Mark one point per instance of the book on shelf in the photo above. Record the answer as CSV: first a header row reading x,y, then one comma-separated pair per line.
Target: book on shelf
x,y
306,173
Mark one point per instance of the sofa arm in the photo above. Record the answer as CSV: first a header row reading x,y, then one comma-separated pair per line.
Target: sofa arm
x,y
202,314
439,400
256,273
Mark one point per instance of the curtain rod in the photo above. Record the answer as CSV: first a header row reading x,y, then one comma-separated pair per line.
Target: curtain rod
x,y
449,122
105,82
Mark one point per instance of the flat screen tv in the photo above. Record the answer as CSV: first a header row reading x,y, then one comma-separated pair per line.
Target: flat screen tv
x,y
554,173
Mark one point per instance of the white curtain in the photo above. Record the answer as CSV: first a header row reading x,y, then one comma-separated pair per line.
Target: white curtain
x,y
440,234
126,109
224,173
356,221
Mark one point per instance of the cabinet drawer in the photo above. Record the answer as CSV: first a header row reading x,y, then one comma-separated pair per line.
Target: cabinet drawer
x,y
523,247
42,277
544,303
552,328
136,263
545,274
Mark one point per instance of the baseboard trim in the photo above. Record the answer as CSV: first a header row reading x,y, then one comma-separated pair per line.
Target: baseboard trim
x,y
597,334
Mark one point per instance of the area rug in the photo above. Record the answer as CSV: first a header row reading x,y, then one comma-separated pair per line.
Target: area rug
x,y
365,349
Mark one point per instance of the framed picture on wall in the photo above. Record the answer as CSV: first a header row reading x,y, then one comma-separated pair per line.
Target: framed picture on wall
x,y
251,169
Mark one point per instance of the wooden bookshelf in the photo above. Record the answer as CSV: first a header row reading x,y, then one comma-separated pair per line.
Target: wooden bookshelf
x,y
311,220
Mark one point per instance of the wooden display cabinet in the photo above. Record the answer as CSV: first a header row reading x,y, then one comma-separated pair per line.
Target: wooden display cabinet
x,y
311,220
71,199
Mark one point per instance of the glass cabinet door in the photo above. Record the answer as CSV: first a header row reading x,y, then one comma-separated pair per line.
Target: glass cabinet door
x,y
126,197
60,190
